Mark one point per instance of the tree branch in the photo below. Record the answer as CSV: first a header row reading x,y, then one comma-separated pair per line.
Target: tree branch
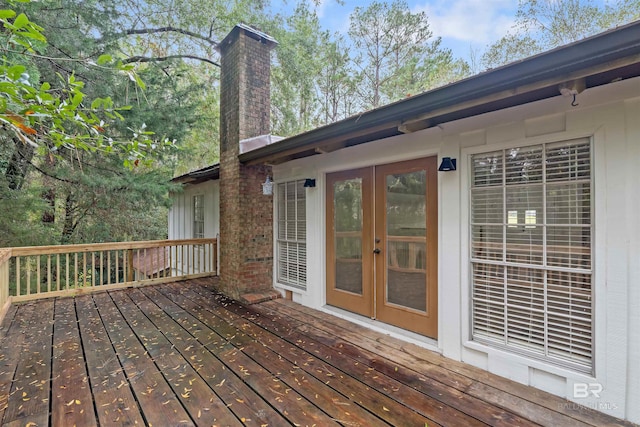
x,y
168,29
47,174
166,58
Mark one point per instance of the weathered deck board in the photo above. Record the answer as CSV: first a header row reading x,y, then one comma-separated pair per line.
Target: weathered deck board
x,y
435,382
113,398
269,385
10,351
240,398
71,399
316,391
530,403
181,354
192,391
390,402
29,395
159,404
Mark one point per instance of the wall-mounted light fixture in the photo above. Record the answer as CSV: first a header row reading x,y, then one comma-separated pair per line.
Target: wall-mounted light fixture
x,y
267,187
309,183
447,164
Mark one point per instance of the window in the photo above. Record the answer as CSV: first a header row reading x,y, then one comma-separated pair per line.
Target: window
x,y
292,234
198,216
531,251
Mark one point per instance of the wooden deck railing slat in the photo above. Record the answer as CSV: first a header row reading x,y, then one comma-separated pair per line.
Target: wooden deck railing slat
x,y
32,272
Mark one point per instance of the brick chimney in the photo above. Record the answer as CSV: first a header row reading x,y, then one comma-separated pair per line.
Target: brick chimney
x,y
246,215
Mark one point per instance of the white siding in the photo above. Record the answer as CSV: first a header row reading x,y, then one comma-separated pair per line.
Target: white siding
x,y
181,212
181,218
610,115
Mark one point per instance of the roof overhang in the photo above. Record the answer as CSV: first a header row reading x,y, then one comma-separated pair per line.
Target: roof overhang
x,y
598,60
198,176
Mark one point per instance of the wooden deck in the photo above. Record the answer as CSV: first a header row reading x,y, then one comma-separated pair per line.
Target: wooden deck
x,y
180,354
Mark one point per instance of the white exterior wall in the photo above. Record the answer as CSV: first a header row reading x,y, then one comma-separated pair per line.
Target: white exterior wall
x,y
181,220
181,212
610,115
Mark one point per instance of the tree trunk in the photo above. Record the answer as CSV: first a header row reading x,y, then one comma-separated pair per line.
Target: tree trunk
x,y
49,194
69,223
19,164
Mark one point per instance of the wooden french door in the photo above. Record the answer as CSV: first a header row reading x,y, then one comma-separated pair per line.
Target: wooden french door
x,y
382,243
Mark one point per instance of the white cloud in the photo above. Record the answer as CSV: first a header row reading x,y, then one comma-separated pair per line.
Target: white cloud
x,y
321,7
477,22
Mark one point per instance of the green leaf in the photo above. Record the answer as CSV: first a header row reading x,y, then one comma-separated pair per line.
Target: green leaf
x,y
34,35
16,71
23,43
104,59
139,82
8,88
21,21
97,103
7,13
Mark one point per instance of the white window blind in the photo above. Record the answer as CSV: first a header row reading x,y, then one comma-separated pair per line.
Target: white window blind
x,y
198,216
292,234
531,251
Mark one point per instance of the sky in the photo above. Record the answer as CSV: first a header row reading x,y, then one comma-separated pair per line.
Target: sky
x,y
465,26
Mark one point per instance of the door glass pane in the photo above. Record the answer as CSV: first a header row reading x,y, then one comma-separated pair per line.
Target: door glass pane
x,y
347,202
406,239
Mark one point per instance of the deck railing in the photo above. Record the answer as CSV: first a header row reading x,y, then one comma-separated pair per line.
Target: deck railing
x,y
47,271
5,258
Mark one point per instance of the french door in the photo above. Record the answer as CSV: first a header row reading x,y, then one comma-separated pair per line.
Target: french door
x,y
382,243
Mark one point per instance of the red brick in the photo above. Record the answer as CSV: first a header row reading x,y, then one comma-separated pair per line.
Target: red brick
x,y
246,226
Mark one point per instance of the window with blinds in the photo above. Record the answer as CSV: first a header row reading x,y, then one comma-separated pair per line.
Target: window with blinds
x,y
198,216
531,251
291,234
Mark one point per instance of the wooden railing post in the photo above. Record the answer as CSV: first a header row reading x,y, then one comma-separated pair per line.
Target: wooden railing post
x,y
130,265
5,259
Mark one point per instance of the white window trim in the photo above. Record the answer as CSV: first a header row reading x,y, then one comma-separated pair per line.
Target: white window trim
x,y
302,288
597,138
193,216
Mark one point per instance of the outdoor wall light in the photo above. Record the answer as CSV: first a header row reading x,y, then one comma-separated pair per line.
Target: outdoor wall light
x,y
309,183
267,187
447,164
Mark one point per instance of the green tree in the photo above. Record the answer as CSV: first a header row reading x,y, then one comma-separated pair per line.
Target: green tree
x,y
48,123
294,74
397,53
336,82
544,24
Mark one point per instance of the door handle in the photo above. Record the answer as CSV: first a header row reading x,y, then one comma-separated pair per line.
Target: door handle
x,y
376,251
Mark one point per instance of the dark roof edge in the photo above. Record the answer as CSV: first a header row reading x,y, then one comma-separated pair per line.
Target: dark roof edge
x,y
200,175
599,49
